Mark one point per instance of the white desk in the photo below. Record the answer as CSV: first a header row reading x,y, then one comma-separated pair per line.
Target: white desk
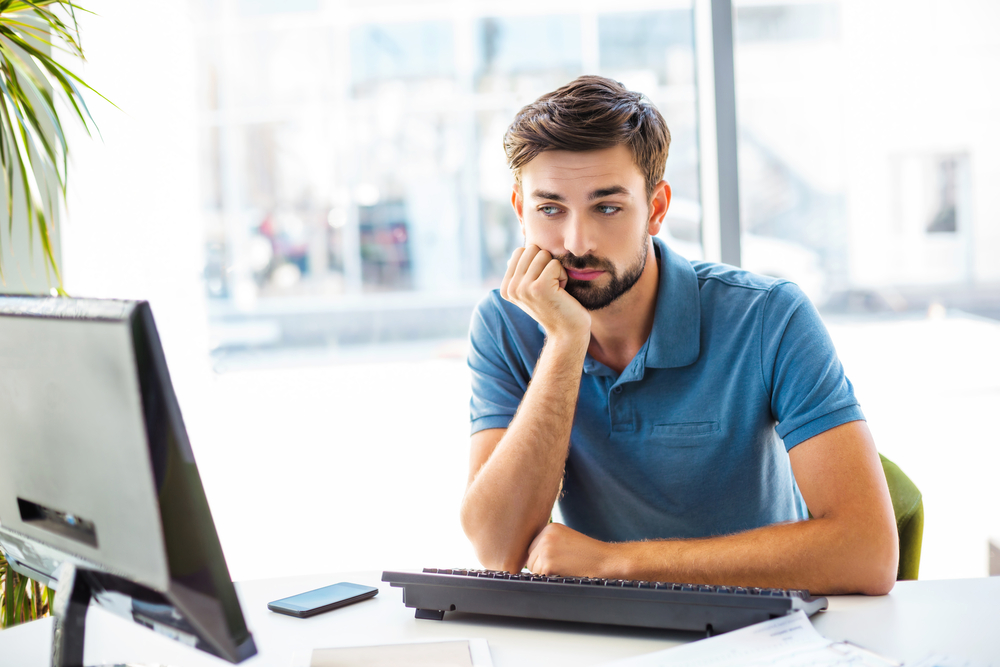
x,y
960,617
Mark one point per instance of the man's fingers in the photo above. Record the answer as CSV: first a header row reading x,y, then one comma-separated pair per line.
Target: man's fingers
x,y
534,552
522,271
514,256
509,273
538,263
554,271
537,564
508,277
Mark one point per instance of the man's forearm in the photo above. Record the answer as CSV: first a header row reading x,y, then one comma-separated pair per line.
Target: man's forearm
x,y
819,555
510,499
826,555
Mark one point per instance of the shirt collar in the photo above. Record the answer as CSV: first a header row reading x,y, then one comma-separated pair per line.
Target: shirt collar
x,y
675,340
676,337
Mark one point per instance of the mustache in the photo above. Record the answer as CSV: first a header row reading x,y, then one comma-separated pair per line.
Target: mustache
x,y
588,261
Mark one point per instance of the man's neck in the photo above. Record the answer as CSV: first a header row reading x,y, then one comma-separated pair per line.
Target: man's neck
x,y
618,332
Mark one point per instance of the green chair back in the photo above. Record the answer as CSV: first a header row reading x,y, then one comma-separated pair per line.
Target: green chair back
x,y
908,505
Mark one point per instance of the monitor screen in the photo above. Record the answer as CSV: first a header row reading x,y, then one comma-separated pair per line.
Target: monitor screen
x,y
97,471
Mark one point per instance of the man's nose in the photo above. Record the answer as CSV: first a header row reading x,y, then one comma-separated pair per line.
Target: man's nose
x,y
578,236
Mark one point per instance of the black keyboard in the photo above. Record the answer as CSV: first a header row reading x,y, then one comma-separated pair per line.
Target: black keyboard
x,y
649,604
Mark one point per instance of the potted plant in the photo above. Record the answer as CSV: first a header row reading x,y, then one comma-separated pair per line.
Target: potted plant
x,y
34,88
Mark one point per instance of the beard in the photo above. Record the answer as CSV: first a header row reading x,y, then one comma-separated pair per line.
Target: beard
x,y
588,293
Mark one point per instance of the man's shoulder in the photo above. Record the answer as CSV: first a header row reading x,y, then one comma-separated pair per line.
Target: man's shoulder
x,y
732,284
733,276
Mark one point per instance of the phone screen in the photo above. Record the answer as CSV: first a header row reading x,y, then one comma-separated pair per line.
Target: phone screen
x,y
322,599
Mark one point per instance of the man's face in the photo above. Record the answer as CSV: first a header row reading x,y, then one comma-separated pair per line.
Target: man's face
x,y
589,211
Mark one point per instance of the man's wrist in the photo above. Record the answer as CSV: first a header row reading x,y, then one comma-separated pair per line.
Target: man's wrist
x,y
618,561
568,344
631,560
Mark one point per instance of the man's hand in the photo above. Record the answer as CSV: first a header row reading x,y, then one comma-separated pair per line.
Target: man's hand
x,y
535,282
559,550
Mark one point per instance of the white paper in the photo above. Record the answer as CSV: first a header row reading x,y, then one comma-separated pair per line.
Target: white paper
x,y
789,641
945,661
478,648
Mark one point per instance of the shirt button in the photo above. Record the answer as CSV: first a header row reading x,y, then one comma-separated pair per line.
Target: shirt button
x,y
618,390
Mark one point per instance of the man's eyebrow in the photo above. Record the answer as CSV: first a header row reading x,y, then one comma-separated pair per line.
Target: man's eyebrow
x,y
545,194
607,192
596,194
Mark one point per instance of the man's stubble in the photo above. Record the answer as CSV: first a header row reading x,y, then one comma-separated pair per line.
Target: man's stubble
x,y
590,295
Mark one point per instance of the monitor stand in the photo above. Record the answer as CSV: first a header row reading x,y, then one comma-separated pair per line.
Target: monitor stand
x,y
69,608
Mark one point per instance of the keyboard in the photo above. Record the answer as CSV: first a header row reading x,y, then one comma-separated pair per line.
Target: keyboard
x,y
647,604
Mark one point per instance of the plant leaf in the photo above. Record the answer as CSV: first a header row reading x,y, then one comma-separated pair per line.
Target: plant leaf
x,y
32,136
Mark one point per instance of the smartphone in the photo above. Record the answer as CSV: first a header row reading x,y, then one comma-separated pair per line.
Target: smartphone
x,y
323,599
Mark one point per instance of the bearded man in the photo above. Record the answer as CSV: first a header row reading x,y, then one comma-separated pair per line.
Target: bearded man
x,y
688,417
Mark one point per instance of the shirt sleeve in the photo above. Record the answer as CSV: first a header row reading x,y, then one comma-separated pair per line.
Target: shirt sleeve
x,y
497,389
810,392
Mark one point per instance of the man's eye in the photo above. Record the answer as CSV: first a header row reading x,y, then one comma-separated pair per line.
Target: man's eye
x,y
608,209
548,210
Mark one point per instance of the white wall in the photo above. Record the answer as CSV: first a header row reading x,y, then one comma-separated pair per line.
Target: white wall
x,y
133,228
921,80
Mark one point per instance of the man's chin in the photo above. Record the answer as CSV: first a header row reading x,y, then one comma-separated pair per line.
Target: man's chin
x,y
592,297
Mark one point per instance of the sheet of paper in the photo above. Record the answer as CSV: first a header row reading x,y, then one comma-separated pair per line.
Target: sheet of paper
x,y
945,661
789,641
456,653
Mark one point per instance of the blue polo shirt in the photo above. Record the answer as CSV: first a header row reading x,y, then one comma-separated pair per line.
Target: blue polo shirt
x,y
691,439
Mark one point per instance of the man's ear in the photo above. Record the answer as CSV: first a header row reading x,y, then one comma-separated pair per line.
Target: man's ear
x,y
518,203
658,206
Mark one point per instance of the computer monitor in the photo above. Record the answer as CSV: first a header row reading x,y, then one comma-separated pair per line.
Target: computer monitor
x,y
98,482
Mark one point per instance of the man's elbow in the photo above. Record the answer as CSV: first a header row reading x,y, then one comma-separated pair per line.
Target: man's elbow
x,y
493,558
493,553
880,564
883,575
497,562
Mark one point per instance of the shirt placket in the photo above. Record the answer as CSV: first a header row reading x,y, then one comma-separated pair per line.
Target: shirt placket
x,y
620,407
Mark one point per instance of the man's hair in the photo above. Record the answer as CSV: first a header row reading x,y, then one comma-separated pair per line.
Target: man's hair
x,y
587,114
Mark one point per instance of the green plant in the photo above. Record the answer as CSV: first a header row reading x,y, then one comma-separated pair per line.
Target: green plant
x,y
33,163
21,599
33,148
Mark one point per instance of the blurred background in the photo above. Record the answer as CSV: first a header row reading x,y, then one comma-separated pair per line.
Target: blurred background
x,y
313,195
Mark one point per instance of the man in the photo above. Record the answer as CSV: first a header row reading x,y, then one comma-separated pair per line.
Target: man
x,y
684,414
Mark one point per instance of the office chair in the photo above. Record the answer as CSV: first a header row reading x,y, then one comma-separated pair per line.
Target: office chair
x,y
908,506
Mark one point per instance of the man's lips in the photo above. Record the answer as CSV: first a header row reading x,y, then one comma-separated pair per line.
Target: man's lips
x,y
585,274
